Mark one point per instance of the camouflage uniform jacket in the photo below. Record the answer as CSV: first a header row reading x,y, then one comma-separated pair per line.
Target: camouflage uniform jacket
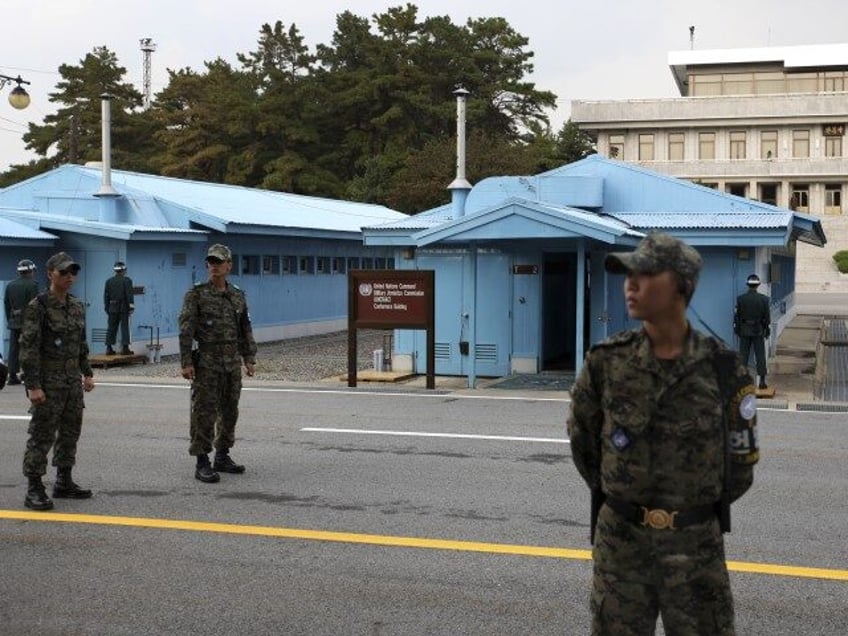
x,y
54,351
18,294
649,431
219,322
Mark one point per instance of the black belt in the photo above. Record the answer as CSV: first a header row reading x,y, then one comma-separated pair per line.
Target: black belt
x,y
659,518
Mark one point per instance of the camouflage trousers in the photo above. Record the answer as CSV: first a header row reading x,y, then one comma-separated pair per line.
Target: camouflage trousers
x,y
640,573
55,424
214,410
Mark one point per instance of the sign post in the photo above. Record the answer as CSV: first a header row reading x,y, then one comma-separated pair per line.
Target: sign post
x,y
391,299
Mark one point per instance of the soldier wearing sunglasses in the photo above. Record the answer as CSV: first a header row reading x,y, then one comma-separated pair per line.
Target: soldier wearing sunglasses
x,y
214,315
54,359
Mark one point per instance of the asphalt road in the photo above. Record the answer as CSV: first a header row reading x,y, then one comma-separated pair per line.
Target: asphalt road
x,y
374,512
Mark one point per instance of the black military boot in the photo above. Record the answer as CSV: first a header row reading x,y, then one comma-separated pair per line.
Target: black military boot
x,y
763,384
126,351
65,488
225,464
13,379
36,497
109,350
204,471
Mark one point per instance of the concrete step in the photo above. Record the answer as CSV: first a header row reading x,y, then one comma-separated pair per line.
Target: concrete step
x,y
791,365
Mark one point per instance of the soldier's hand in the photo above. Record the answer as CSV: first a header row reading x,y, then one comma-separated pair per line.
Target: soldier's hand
x,y
88,383
37,396
188,372
249,368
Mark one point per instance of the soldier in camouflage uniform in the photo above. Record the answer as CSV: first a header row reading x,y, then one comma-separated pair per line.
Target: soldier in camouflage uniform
x,y
17,296
54,358
653,429
215,315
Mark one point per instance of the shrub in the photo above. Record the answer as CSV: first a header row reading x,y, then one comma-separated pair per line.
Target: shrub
x,y
841,259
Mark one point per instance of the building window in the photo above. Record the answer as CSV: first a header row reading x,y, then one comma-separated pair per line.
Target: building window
x,y
250,265
769,83
803,82
833,146
676,146
700,85
738,84
178,259
833,199
322,264
800,199
737,189
270,265
289,264
768,144
834,81
646,147
737,144
367,263
616,146
706,145
768,193
305,265
800,143
236,270
352,262
339,265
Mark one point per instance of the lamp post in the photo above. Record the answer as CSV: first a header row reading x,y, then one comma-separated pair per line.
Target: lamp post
x,y
18,98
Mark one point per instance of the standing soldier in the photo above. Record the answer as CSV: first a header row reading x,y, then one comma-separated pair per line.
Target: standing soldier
x,y
215,315
752,323
662,427
54,358
18,294
119,302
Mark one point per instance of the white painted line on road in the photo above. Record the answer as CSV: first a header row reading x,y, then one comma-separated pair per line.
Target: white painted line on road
x,y
442,394
499,438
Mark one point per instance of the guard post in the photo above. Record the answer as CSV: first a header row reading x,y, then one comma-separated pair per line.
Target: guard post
x,y
391,299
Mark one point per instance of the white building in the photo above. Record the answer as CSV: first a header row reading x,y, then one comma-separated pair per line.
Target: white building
x,y
766,123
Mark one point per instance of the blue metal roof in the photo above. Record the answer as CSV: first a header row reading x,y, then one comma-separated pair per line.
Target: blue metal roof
x,y
11,229
238,205
601,198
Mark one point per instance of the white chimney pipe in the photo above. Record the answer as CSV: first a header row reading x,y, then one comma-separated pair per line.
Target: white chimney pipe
x,y
106,189
460,187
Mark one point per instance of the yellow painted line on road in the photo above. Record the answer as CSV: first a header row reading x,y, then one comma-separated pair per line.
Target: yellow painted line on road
x,y
387,540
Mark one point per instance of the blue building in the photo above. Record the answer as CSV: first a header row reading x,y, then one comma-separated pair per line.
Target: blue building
x,y
291,252
518,261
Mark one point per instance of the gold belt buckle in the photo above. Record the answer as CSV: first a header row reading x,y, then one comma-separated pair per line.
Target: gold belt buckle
x,y
658,519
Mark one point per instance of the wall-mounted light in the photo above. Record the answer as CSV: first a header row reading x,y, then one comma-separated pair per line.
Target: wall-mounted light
x,y
18,98
408,253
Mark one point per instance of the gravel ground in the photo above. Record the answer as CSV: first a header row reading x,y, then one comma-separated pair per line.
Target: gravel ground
x,y
297,360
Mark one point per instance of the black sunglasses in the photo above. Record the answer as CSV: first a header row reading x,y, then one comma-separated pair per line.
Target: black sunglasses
x,y
214,260
73,270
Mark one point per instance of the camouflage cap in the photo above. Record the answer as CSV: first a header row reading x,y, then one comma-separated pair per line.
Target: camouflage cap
x,y
62,260
657,252
219,251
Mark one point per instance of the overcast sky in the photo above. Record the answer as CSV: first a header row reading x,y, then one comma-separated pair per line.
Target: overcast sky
x,y
593,49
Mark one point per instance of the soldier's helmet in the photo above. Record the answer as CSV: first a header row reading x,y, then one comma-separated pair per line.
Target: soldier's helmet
x,y
26,265
120,266
753,280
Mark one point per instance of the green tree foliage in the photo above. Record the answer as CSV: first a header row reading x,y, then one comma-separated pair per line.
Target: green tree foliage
x,y
369,116
73,133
